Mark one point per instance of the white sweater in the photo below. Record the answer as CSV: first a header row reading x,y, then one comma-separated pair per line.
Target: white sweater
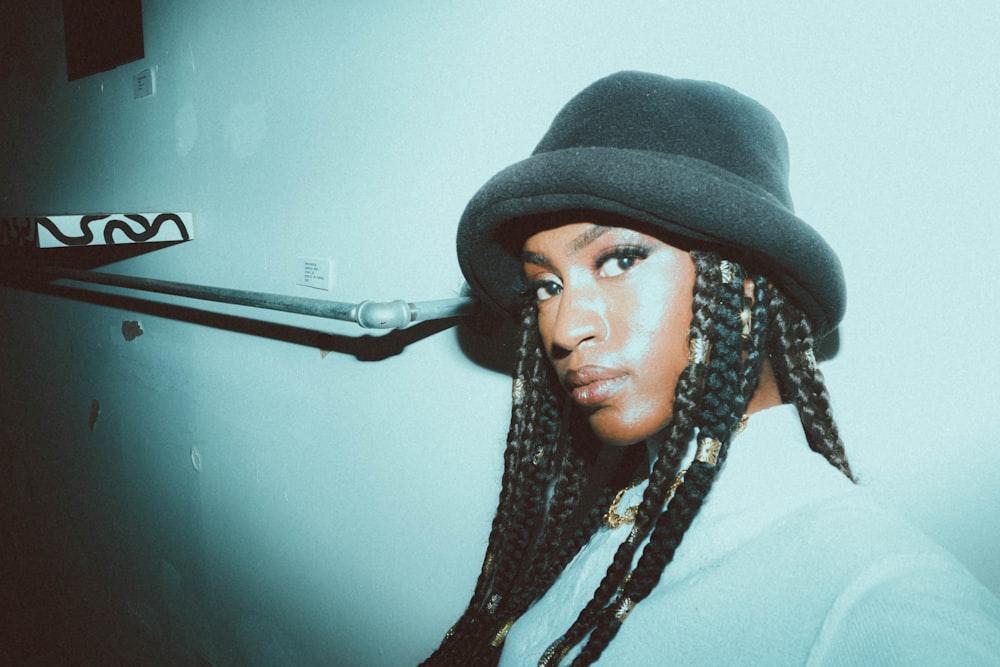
x,y
787,563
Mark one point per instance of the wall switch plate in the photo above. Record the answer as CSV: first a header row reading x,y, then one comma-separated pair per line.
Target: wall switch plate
x,y
143,84
314,272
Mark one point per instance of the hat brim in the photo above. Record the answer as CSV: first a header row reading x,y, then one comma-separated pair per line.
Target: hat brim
x,y
682,197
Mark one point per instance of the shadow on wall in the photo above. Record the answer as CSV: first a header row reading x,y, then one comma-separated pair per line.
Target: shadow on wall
x,y
363,348
486,338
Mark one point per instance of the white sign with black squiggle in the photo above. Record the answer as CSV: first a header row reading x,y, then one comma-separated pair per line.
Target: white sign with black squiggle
x,y
68,231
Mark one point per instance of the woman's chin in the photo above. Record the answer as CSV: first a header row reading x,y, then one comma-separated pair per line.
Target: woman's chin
x,y
613,432
619,428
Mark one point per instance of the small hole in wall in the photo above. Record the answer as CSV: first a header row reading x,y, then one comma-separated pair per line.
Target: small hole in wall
x,y
131,330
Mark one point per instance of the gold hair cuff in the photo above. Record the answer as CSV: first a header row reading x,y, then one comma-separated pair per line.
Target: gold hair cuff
x,y
501,634
708,451
488,564
699,350
557,650
743,424
517,391
625,607
730,272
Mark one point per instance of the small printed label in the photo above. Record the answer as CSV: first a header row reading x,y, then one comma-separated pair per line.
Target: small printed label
x,y
314,272
142,84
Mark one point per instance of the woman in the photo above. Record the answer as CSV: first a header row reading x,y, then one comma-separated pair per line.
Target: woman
x,y
660,504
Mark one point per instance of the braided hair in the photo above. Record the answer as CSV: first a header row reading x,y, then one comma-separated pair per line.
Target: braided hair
x,y
545,514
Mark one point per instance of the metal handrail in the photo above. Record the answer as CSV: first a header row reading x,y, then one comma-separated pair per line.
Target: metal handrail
x,y
397,314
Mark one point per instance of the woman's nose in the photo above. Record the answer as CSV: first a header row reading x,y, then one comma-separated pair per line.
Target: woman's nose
x,y
579,320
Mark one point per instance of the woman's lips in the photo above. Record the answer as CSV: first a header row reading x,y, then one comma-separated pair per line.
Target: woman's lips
x,y
590,386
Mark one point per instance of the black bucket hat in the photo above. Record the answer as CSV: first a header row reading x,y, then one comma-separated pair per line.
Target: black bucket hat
x,y
693,161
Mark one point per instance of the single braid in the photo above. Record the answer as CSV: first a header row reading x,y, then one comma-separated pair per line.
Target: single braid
x,y
756,347
800,382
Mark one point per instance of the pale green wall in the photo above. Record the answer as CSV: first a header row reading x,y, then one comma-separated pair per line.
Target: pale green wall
x,y
341,507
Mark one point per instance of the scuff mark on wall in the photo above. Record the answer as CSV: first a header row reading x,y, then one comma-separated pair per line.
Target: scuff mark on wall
x,y
131,330
186,129
95,412
246,128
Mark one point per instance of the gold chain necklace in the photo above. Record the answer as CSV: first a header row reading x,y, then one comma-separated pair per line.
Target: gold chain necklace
x,y
708,451
615,520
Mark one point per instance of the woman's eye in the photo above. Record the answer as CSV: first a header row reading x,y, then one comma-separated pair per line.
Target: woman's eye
x,y
619,264
546,289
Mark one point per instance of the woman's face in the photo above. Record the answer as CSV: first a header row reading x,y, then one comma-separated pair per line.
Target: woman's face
x,y
614,309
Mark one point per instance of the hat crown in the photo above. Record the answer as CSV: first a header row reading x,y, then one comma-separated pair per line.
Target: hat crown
x,y
696,119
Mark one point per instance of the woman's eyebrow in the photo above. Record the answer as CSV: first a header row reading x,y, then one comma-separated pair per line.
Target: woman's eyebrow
x,y
585,239
572,248
528,257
